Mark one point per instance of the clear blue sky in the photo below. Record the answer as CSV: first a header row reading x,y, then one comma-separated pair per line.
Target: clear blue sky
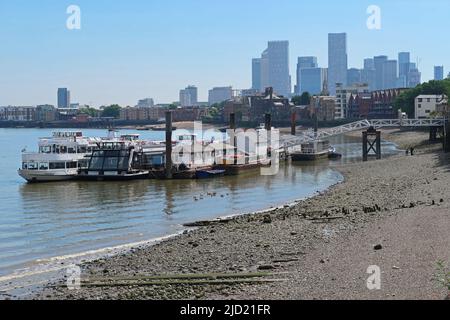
x,y
127,50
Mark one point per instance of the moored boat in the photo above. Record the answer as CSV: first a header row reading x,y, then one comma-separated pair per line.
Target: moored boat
x,y
311,151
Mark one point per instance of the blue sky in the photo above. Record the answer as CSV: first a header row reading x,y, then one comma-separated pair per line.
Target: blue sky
x,y
127,50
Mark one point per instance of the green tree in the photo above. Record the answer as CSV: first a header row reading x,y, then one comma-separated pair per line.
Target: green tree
x,y
112,111
303,100
89,111
405,101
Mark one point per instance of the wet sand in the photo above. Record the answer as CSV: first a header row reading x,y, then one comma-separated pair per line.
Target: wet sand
x,y
393,213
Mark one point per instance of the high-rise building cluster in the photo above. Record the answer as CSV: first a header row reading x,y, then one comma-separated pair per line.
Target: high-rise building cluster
x,y
378,73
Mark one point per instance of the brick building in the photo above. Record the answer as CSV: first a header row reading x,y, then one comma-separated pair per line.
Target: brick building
x,y
374,105
253,108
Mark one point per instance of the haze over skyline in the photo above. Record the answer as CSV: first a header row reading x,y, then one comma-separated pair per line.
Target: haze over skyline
x,y
127,51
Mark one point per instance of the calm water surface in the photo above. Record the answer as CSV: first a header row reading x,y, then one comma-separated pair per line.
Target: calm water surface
x,y
41,221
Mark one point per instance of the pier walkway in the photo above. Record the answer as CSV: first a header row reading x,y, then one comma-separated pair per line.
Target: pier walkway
x,y
290,141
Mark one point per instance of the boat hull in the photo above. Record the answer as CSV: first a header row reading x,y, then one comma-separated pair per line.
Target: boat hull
x,y
308,156
118,177
33,176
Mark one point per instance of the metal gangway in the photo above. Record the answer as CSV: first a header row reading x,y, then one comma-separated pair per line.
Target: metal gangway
x,y
289,141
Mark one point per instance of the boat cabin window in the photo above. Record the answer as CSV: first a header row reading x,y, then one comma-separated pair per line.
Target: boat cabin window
x,y
71,150
71,165
24,165
33,166
83,164
57,165
82,149
43,166
45,149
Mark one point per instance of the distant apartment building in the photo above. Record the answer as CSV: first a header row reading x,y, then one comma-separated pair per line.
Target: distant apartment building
x,y
142,113
323,107
337,60
46,113
158,113
189,96
343,94
63,98
146,103
273,69
254,108
17,113
219,94
439,73
426,105
373,105
313,80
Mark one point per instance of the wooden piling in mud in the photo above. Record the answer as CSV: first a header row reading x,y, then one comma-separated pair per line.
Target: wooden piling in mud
x,y
294,123
169,145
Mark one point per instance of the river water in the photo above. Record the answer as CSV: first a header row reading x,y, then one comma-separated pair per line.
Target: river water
x,y
39,222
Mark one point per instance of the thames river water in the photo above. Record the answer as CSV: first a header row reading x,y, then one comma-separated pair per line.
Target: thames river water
x,y
39,222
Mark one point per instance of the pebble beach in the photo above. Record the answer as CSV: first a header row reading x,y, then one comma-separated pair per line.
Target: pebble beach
x,y
393,213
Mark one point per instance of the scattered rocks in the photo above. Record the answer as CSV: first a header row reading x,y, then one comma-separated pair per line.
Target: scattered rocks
x,y
267,219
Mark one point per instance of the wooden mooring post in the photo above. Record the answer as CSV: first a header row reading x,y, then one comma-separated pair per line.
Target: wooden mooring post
x,y
294,123
268,122
433,133
169,145
371,142
233,138
446,136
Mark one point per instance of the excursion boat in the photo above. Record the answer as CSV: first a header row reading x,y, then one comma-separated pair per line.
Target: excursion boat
x,y
58,158
61,156
311,151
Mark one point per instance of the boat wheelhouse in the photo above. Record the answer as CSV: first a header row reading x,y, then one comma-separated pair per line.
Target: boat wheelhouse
x,y
115,161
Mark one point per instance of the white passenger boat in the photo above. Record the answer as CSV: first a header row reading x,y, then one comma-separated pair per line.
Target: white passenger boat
x,y
61,156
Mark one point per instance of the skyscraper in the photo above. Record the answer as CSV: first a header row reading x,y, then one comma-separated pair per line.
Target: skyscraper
x,y
278,67
439,73
390,74
337,60
369,64
312,80
379,63
304,63
403,68
368,73
353,76
63,98
414,76
256,74
264,71
189,96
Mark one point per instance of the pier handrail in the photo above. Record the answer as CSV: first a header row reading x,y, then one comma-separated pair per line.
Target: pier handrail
x,y
290,141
